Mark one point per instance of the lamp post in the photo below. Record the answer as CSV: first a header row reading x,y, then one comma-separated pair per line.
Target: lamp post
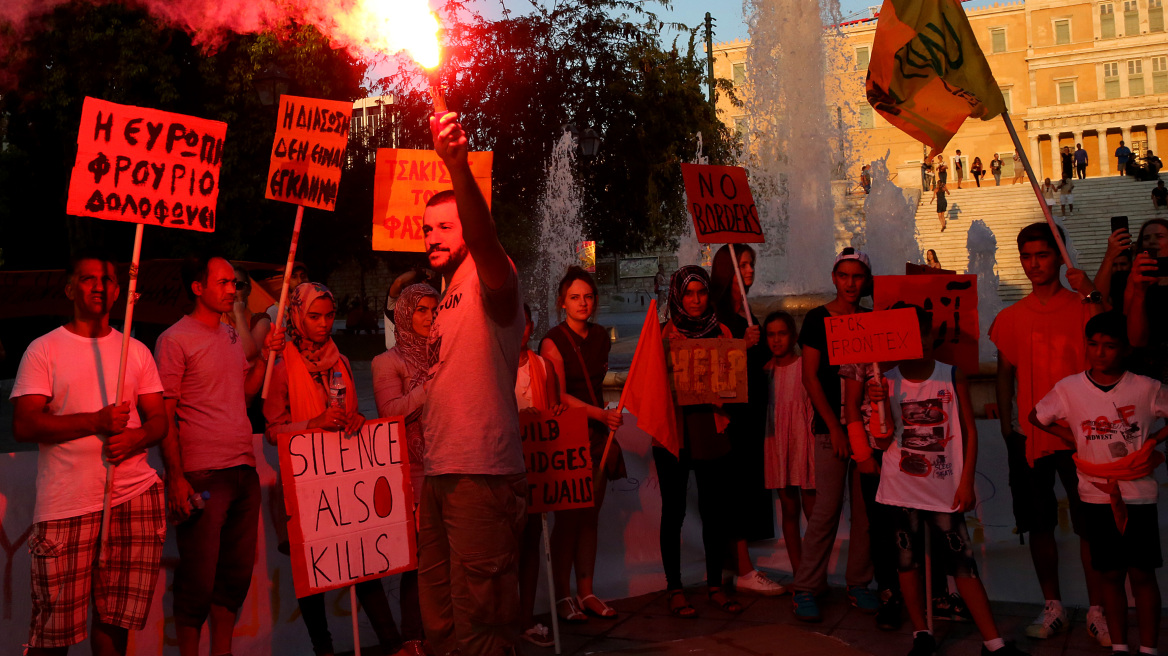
x,y
271,83
590,143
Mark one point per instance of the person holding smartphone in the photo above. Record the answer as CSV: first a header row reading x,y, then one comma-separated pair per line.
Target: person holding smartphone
x,y
1146,301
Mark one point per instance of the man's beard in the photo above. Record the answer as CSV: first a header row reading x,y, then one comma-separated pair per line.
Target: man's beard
x,y
454,260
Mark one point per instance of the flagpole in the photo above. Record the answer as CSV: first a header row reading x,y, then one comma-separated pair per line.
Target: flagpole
x,y
1037,189
741,285
283,296
620,406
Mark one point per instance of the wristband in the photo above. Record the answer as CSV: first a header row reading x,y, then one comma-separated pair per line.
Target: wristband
x,y
861,450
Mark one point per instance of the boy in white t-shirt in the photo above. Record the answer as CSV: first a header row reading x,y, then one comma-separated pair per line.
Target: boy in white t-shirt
x,y
1109,411
927,479
65,395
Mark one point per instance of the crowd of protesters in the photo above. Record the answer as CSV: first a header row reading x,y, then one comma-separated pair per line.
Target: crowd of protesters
x,y
1083,366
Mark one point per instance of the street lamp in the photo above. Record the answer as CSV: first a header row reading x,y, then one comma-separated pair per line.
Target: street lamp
x,y
271,83
590,143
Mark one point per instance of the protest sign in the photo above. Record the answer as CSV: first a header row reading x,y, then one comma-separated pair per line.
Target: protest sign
x,y
308,151
912,269
559,460
721,205
952,302
868,337
146,166
351,505
402,183
708,370
586,254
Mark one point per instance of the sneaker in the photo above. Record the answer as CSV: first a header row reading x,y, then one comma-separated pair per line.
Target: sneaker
x,y
864,599
759,583
1050,621
891,614
1097,627
924,644
806,609
1009,650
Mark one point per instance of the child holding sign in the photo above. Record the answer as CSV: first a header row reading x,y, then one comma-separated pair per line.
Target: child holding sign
x,y
788,448
927,482
299,400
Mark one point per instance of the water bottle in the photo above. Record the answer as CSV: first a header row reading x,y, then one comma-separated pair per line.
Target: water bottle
x,y
199,500
337,391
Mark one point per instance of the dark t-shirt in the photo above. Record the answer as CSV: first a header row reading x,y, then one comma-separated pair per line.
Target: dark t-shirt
x,y
1160,195
1150,360
814,334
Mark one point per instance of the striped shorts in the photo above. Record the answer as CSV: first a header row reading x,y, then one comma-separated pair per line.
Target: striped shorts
x,y
66,572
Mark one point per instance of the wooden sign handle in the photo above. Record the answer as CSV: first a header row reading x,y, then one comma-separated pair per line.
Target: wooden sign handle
x,y
283,296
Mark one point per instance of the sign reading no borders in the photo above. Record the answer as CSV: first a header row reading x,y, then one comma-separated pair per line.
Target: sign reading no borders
x,y
351,505
403,182
720,203
868,337
308,152
146,166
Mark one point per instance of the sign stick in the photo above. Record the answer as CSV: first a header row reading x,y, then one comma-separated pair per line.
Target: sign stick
x,y
741,286
353,612
1037,189
928,578
284,294
883,412
547,559
131,297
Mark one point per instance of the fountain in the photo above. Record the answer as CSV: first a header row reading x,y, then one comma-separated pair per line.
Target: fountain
x,y
890,232
560,229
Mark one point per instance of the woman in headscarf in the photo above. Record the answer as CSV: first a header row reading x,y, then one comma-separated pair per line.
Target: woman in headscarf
x,y
705,449
752,516
398,390
298,400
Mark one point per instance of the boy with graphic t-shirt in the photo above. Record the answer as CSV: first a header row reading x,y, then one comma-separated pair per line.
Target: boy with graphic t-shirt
x,y
927,478
1109,411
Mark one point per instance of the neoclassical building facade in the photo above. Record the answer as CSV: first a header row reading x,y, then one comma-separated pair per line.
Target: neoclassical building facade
x,y
1090,72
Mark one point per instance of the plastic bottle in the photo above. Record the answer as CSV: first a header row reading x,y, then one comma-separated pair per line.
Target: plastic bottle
x,y
337,391
199,500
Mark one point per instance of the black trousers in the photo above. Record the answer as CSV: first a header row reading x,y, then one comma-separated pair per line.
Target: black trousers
x,y
713,478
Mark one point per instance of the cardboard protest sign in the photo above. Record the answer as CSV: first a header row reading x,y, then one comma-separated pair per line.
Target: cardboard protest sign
x,y
868,337
708,370
952,301
559,460
308,151
146,166
912,269
351,505
402,183
586,254
721,205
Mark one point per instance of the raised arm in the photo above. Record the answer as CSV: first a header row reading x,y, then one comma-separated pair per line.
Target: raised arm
x,y
478,228
1117,243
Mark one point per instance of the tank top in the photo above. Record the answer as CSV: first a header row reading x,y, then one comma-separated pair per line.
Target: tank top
x,y
922,468
584,385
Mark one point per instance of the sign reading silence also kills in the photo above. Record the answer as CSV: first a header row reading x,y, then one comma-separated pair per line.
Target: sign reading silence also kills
x,y
403,182
559,460
308,152
867,337
146,166
721,205
350,503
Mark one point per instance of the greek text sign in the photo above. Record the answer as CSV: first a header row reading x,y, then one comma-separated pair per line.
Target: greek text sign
x,y
402,184
146,166
721,205
308,151
351,505
708,370
868,337
559,461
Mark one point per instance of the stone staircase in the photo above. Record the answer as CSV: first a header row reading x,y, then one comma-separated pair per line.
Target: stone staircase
x,y
1009,208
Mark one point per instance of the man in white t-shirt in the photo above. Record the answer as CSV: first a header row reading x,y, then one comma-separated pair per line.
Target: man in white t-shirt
x,y
1109,412
65,395
474,495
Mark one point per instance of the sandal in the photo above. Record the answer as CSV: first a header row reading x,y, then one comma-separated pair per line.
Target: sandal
x,y
682,610
539,636
598,607
727,603
568,611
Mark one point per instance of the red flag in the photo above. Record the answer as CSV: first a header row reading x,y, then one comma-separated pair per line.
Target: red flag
x,y
646,394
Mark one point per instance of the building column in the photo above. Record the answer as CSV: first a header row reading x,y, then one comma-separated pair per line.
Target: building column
x,y
1126,129
1035,155
1056,162
1104,156
1078,137
1151,132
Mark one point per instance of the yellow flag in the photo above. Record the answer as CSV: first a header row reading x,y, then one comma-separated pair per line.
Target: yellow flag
x,y
927,73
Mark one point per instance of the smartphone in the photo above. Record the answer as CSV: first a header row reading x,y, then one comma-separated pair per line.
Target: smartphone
x,y
1161,267
1118,222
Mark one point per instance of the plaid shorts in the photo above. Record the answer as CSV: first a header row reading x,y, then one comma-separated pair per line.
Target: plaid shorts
x,y
65,570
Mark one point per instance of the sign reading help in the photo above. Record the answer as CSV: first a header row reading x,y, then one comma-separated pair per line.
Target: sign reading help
x,y
559,460
308,151
146,166
403,182
867,337
721,205
351,505
952,302
708,370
